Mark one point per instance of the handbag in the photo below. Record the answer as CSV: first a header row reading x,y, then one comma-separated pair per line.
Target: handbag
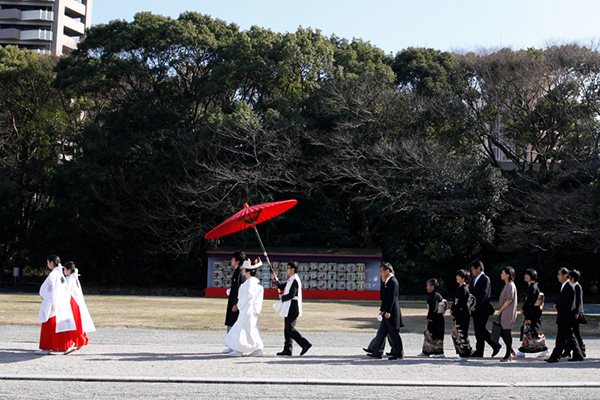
x,y
496,330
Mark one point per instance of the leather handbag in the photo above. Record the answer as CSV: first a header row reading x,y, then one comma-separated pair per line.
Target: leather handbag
x,y
496,329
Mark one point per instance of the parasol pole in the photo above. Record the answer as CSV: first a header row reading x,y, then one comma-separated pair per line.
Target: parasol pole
x,y
265,252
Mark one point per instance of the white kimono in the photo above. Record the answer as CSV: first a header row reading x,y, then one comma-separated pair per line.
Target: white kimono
x,y
244,336
87,325
56,301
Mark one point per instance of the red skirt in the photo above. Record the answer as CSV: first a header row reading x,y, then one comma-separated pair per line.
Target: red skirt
x,y
78,335
50,340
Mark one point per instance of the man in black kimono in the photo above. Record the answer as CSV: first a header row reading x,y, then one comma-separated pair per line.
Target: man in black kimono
x,y
237,259
391,316
481,288
566,311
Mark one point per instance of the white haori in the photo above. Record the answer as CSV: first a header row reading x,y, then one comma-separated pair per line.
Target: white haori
x,y
284,306
244,336
87,325
56,301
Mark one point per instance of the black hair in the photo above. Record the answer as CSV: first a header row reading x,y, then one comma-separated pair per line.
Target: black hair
x,y
576,275
295,265
387,267
563,271
54,259
433,282
476,264
239,256
70,266
252,272
532,274
463,273
510,271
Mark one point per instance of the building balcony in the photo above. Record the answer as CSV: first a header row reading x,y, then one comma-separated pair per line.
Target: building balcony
x,y
74,9
73,28
37,34
18,15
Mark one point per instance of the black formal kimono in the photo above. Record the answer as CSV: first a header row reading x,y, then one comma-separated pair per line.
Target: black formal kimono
x,y
565,319
434,334
390,326
532,337
460,330
236,281
482,289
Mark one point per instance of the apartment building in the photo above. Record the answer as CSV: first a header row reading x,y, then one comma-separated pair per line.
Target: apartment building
x,y
44,26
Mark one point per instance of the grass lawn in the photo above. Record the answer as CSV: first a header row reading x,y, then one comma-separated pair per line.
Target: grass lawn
x,y
199,313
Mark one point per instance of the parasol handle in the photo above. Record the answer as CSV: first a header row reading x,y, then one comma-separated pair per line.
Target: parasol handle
x,y
265,254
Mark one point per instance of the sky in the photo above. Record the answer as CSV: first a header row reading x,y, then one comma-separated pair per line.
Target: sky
x,y
447,25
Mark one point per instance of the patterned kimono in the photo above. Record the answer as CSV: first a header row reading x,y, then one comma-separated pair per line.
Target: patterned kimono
x,y
460,331
434,334
533,339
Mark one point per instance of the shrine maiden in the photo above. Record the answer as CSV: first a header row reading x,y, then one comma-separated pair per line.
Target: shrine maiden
x,y
55,313
83,320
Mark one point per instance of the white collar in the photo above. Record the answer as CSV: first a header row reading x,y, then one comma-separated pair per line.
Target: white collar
x,y
388,278
563,285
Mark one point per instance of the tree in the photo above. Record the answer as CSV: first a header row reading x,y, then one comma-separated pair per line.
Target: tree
x,y
37,126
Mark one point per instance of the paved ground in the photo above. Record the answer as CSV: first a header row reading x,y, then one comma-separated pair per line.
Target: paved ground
x,y
160,364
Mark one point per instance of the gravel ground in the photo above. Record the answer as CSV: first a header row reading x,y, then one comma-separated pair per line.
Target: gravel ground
x,y
169,364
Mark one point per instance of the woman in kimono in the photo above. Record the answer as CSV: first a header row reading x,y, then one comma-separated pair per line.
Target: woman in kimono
x,y
460,314
532,337
433,344
55,312
83,320
244,336
508,310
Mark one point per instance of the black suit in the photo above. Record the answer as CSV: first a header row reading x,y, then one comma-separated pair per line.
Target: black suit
x,y
390,326
290,332
565,319
581,319
483,309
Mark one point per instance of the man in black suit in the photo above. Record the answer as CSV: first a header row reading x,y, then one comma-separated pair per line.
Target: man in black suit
x,y
566,311
371,347
481,288
391,316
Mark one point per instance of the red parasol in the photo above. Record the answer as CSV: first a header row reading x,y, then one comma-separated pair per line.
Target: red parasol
x,y
249,217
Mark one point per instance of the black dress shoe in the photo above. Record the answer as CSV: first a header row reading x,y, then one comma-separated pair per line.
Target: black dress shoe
x,y
305,349
551,360
284,353
565,355
575,359
395,358
496,350
389,354
374,355
367,350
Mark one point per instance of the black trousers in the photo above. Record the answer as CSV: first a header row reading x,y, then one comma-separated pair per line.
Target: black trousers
x,y
387,329
565,337
482,335
290,332
577,333
376,341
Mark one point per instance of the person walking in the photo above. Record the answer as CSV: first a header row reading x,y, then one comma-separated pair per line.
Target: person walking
x,y
532,336
433,343
290,307
232,312
460,314
566,310
391,317
244,335
481,288
574,277
55,313
508,310
83,319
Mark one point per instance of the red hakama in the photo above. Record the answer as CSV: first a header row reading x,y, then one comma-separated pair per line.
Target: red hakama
x,y
78,335
53,341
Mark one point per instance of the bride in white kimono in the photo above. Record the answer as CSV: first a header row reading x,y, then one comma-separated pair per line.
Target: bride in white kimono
x,y
244,336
